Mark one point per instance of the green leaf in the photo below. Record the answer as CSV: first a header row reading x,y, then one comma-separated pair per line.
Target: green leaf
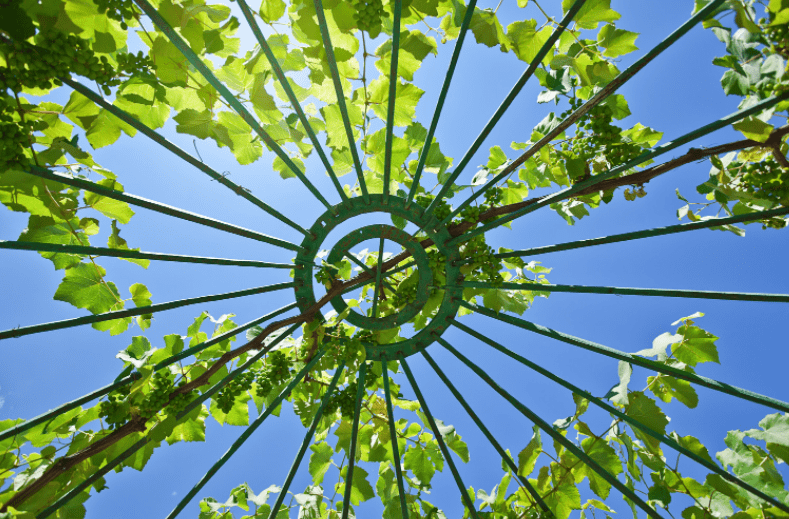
x,y
526,40
776,433
697,346
361,490
320,461
666,388
618,394
754,129
407,96
42,229
735,83
527,458
109,207
592,13
84,287
105,129
488,30
272,10
617,42
564,499
644,410
114,241
246,145
606,457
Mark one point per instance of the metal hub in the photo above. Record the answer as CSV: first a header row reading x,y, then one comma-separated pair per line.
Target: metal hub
x,y
305,294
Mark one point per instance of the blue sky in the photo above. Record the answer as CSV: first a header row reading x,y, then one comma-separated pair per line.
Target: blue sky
x,y
678,92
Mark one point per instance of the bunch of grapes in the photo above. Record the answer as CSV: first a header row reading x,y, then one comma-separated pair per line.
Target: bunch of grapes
x,y
404,295
115,410
485,265
235,387
600,136
15,136
441,211
326,276
368,14
766,180
159,395
638,192
777,36
344,400
119,10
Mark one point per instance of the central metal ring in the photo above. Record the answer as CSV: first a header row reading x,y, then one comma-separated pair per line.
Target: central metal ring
x,y
423,267
451,285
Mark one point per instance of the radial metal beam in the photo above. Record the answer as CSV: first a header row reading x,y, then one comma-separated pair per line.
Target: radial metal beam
x,y
440,439
231,100
93,187
667,440
647,155
156,137
609,89
335,74
441,98
658,292
505,456
394,80
636,235
131,312
246,434
557,437
283,81
134,254
627,357
378,288
546,47
346,500
393,439
307,440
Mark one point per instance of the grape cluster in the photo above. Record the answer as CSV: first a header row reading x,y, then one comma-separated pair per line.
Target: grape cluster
x,y
485,265
600,136
776,35
235,387
766,180
638,192
404,295
344,400
115,410
441,211
119,10
15,136
326,276
368,14
162,385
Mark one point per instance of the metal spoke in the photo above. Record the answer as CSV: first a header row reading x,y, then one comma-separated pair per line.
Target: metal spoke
x,y
659,231
124,379
307,440
441,98
197,63
377,289
394,80
580,186
62,248
659,292
393,439
246,434
622,416
283,81
335,74
87,185
440,439
235,373
367,269
505,104
346,503
131,312
156,137
504,455
627,357
609,89
557,437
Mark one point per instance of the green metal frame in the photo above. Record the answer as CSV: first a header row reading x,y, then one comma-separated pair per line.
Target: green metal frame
x,y
436,230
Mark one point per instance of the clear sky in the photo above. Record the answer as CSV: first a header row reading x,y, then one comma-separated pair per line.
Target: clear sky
x,y
678,92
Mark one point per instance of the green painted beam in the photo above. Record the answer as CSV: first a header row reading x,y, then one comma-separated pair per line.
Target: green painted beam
x,y
638,361
609,89
346,500
245,435
131,312
557,437
394,80
283,81
505,456
546,47
440,439
647,155
377,288
156,137
637,235
658,292
441,98
231,100
306,442
335,75
134,254
667,440
393,438
169,210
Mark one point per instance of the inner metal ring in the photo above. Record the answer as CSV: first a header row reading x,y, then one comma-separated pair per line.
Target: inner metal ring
x,y
305,293
423,267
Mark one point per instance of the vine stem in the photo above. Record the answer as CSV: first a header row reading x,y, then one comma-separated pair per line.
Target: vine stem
x,y
138,424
